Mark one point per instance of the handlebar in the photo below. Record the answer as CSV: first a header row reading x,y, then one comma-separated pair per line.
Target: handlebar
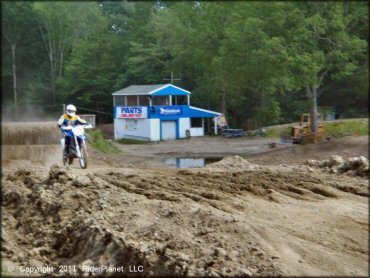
x,y
70,127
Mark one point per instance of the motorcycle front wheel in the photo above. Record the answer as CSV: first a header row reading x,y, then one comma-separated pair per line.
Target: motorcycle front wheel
x,y
83,158
67,160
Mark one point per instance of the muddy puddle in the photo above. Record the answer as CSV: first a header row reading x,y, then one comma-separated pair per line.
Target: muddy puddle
x,y
191,162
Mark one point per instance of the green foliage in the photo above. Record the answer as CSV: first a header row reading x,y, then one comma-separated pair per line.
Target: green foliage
x,y
270,114
286,131
340,128
272,133
251,60
96,139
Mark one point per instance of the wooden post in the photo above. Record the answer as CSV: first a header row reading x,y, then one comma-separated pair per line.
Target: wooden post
x,y
215,120
64,108
172,79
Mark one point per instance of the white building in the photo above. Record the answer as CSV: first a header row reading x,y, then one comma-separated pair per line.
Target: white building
x,y
157,112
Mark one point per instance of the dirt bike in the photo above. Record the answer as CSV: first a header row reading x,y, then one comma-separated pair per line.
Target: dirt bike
x,y
77,148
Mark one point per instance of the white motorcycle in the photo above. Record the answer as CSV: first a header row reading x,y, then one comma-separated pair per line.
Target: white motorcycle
x,y
77,148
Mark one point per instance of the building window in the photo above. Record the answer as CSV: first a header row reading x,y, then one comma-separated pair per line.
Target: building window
x,y
119,100
143,100
161,100
179,100
196,122
131,100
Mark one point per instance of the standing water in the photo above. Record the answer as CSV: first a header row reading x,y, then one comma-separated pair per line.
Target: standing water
x,y
190,162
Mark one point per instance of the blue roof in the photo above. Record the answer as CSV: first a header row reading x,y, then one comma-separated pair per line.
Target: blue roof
x,y
153,90
170,89
196,112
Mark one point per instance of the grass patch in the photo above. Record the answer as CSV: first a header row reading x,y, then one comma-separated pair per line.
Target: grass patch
x,y
339,129
126,141
96,139
272,133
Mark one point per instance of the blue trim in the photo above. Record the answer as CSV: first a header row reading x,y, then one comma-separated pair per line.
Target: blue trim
x,y
177,129
178,111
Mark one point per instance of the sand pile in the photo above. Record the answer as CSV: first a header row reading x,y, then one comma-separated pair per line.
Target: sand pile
x,y
355,166
232,163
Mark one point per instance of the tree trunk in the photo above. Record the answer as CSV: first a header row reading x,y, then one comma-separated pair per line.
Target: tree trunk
x,y
263,101
97,114
223,100
61,63
309,102
52,71
314,109
14,83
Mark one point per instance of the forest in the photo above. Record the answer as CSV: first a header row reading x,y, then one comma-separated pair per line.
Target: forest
x,y
261,62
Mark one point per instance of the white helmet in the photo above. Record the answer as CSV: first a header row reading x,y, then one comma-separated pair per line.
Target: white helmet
x,y
71,110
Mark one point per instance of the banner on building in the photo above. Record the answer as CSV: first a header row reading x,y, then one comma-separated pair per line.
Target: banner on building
x,y
221,121
131,112
170,110
131,125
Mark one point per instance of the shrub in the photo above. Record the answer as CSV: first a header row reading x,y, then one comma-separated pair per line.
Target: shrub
x,y
338,129
97,141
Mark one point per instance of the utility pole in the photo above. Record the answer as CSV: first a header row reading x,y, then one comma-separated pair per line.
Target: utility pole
x,y
171,98
173,79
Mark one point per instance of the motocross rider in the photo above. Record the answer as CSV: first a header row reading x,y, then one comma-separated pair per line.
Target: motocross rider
x,y
65,123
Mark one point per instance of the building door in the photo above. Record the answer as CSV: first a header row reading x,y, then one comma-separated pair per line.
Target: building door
x,y
168,130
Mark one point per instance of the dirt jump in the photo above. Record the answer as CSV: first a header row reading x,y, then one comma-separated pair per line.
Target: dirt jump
x,y
289,211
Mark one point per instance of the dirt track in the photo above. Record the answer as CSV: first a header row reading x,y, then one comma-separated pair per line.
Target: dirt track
x,y
230,218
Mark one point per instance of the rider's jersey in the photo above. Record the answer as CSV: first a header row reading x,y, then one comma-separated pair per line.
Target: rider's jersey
x,y
65,120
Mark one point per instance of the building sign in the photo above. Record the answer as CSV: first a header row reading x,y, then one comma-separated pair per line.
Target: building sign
x,y
132,112
131,125
170,110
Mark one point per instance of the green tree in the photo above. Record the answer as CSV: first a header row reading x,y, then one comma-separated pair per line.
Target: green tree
x,y
16,17
322,44
61,25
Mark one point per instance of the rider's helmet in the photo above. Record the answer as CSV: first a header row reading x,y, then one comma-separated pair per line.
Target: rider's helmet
x,y
71,110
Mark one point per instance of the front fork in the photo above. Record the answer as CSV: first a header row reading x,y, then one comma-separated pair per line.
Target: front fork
x,y
77,147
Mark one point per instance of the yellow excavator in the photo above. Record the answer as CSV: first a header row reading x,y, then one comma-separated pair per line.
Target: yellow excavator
x,y
302,133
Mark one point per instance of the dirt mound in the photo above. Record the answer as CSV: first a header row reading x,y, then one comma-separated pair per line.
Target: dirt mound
x,y
233,163
182,222
30,133
358,166
346,147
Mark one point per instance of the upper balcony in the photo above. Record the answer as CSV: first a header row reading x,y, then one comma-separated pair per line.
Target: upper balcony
x,y
151,95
